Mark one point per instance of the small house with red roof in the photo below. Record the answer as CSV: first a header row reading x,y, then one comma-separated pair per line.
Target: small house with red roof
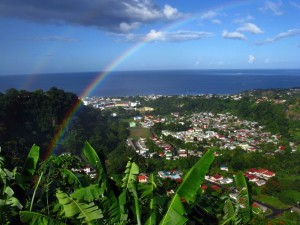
x,y
142,178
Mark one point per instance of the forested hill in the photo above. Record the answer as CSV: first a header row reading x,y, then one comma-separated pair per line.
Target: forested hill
x,y
28,118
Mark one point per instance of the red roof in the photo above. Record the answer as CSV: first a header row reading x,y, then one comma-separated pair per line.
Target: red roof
x,y
217,177
281,147
251,177
204,187
269,173
142,177
215,187
261,170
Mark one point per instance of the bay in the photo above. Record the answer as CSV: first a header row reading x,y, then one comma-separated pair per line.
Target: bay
x,y
163,82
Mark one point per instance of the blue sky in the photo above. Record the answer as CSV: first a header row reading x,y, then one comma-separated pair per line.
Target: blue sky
x,y
93,35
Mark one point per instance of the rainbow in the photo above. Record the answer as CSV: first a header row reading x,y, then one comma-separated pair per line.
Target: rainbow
x,y
112,66
101,76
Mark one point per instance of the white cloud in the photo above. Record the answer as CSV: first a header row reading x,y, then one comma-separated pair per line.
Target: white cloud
x,y
171,13
250,27
251,59
208,15
125,27
141,11
161,36
154,35
215,21
233,35
244,19
289,33
275,7
177,36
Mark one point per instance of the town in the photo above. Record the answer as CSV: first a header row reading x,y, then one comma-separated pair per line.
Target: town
x,y
204,130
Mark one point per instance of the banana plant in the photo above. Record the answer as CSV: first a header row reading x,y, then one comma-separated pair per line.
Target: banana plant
x,y
109,201
84,211
238,212
9,204
151,201
187,191
129,186
24,178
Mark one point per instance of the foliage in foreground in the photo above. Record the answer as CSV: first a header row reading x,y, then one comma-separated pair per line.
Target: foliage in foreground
x,y
99,201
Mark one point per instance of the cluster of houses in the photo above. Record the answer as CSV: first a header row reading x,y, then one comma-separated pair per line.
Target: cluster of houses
x,y
227,131
259,176
218,179
103,103
167,151
224,131
164,174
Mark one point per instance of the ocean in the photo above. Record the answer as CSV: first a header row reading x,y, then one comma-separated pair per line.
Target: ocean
x,y
163,82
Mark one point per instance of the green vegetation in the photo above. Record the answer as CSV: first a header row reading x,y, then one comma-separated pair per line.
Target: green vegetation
x,y
95,200
291,218
57,191
272,201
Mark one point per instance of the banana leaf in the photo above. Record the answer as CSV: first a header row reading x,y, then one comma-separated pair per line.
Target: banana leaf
x,y
80,210
88,194
34,218
195,177
175,213
31,161
243,197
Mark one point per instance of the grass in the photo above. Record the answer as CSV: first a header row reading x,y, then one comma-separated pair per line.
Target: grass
x,y
139,132
286,218
289,196
271,201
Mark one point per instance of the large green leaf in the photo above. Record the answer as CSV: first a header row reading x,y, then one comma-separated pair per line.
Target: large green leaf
x,y
88,194
130,174
31,161
80,210
188,189
72,178
109,202
34,218
92,157
129,184
229,213
148,194
243,197
148,189
195,177
175,213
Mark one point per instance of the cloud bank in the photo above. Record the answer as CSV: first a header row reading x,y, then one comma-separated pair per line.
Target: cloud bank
x,y
112,15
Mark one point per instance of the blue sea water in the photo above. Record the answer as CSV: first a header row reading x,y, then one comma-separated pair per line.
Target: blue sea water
x,y
165,82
